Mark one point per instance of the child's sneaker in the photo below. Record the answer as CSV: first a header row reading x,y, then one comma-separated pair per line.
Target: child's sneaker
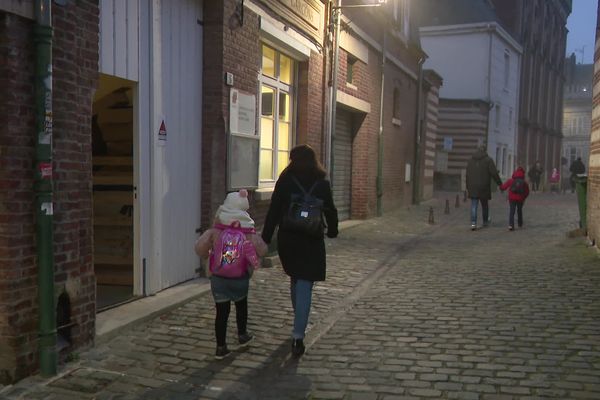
x,y
511,228
473,227
245,338
222,352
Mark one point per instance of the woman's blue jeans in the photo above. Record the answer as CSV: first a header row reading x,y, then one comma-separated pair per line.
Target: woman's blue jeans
x,y
484,210
301,294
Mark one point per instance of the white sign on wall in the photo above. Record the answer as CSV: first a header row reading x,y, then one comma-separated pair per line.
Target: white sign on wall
x,y
448,142
242,113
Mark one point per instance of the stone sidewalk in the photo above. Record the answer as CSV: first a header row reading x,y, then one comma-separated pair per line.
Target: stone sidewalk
x,y
408,311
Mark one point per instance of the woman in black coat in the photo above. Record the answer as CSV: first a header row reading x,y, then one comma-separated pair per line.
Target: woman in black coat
x,y
302,255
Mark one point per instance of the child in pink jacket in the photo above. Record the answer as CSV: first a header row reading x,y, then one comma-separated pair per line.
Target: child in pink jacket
x,y
518,190
232,213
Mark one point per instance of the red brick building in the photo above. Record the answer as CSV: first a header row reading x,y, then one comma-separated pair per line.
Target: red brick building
x,y
593,182
75,74
161,105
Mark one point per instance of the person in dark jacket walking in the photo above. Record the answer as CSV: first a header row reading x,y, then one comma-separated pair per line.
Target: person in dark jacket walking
x,y
302,255
518,190
480,172
577,167
535,175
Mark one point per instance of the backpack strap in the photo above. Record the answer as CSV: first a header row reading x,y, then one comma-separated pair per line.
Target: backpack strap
x,y
302,187
235,225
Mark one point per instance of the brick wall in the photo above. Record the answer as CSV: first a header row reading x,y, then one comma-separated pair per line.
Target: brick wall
x,y
398,139
593,183
236,49
229,48
75,61
17,254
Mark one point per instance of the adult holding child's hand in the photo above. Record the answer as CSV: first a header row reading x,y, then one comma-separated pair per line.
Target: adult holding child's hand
x,y
301,198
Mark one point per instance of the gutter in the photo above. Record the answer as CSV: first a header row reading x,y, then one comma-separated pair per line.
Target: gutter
x,y
418,127
43,186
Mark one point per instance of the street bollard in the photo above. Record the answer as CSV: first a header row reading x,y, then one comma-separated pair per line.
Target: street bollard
x,y
431,221
465,198
457,202
447,209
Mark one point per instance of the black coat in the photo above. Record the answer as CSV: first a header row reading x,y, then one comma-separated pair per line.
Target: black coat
x,y
480,172
302,256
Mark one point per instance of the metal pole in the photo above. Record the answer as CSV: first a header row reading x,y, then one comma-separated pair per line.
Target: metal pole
x,y
43,187
379,179
336,14
418,134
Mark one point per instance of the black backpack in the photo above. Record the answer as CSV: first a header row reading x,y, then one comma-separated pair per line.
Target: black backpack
x,y
305,213
518,186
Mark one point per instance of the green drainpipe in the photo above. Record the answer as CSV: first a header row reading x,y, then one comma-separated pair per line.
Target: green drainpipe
x,y
43,186
379,179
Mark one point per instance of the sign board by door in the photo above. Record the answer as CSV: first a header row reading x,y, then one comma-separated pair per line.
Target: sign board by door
x,y
243,142
242,113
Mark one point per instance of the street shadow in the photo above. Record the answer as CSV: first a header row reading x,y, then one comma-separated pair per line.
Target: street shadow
x,y
276,378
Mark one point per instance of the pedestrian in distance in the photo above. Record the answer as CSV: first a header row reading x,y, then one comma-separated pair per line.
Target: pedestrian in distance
x,y
480,172
518,190
577,167
232,247
554,180
302,194
535,175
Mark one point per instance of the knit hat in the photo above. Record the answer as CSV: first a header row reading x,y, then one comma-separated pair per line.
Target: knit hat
x,y
234,208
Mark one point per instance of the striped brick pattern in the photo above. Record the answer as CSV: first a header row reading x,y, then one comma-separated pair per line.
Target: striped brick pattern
x,y
465,121
593,203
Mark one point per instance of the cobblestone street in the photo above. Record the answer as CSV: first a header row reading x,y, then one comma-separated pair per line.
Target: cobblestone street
x,y
409,311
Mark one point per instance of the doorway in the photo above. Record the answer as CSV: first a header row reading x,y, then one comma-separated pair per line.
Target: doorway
x,y
113,190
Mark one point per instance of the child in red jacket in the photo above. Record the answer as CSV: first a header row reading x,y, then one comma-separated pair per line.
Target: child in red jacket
x,y
518,190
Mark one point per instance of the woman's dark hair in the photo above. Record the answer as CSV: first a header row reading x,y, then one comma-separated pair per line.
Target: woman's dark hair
x,y
304,163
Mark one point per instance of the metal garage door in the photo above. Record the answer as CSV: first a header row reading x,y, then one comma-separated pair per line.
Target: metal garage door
x,y
342,163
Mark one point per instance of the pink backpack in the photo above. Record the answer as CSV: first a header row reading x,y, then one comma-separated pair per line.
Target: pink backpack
x,y
231,252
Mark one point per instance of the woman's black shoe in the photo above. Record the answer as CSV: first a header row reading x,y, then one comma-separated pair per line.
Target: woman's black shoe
x,y
297,347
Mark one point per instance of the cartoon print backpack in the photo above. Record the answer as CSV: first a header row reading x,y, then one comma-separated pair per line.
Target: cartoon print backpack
x,y
518,186
231,253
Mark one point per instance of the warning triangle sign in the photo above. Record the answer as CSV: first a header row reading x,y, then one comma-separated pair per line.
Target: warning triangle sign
x,y
162,131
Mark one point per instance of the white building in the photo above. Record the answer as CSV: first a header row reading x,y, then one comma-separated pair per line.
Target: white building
x,y
577,112
478,61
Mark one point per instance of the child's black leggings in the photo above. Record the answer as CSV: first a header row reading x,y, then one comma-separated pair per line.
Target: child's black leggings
x,y
241,317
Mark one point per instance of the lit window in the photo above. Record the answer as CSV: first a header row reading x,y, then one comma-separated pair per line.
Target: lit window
x,y
276,113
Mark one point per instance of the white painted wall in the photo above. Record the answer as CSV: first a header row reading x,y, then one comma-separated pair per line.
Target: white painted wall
x,y
158,44
119,38
470,59
175,175
461,61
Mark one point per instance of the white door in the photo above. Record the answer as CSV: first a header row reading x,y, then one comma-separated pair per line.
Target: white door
x,y
176,59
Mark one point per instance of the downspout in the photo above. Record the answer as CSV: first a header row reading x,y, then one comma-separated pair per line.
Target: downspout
x,y
380,135
42,32
336,13
489,96
418,128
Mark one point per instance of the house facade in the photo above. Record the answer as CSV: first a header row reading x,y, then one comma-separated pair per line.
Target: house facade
x,y
161,107
492,77
540,27
593,181
577,112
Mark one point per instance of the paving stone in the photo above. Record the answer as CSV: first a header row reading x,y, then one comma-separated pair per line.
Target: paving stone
x,y
408,310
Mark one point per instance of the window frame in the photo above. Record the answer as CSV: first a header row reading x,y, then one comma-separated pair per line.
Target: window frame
x,y
279,87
